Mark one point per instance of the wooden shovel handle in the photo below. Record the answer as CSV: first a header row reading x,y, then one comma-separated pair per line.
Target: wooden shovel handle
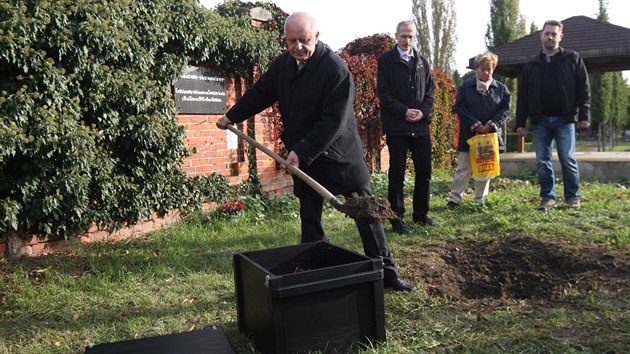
x,y
329,197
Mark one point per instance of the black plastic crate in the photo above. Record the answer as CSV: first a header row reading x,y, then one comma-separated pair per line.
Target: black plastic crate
x,y
307,297
194,342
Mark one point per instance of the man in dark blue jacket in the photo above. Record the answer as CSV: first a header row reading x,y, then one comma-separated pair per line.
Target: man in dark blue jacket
x,y
406,91
555,93
315,92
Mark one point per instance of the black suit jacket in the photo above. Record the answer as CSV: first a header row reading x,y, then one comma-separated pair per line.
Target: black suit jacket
x,y
316,107
397,94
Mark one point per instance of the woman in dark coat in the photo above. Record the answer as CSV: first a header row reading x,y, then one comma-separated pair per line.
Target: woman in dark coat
x,y
483,106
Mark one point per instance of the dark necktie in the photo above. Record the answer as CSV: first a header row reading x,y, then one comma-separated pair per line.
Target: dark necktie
x,y
301,65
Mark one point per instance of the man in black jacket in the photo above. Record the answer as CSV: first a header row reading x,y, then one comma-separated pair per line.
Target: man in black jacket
x,y
406,91
554,92
315,92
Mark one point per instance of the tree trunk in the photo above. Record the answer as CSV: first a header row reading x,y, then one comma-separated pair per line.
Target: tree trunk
x,y
14,243
611,136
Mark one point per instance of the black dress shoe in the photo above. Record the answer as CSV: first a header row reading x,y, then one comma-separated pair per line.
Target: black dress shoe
x,y
451,205
399,227
400,284
426,221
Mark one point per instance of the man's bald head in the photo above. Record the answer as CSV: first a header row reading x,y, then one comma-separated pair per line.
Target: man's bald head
x,y
303,19
300,31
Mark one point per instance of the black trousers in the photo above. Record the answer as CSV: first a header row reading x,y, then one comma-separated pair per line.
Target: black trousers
x,y
370,229
420,148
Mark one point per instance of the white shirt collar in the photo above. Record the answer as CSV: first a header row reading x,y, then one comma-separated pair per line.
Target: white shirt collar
x,y
403,55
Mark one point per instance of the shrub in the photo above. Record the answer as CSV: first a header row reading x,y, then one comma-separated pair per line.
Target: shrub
x,y
445,123
88,128
361,56
231,208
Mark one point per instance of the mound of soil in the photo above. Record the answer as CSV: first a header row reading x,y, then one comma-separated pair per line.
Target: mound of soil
x,y
517,268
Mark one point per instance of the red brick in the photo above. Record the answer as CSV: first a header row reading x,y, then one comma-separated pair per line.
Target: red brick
x,y
30,240
120,234
100,235
199,162
197,141
85,239
204,170
158,223
58,246
147,226
38,248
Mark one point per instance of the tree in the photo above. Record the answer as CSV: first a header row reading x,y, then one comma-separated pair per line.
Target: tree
x,y
609,101
505,26
436,36
619,109
601,104
88,126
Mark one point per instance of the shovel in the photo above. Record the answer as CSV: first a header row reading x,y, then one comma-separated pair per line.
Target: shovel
x,y
355,207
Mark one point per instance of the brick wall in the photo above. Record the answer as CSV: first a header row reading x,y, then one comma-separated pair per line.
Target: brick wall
x,y
212,156
33,245
212,153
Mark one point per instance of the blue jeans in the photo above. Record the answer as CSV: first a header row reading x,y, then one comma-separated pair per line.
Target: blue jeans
x,y
544,133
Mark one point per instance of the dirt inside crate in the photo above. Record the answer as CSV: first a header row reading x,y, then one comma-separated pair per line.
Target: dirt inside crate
x,y
322,255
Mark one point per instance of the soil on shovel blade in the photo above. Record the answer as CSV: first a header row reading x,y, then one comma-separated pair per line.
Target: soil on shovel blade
x,y
368,207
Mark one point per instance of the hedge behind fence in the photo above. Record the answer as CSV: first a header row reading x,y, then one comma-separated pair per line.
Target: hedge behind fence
x,y
88,131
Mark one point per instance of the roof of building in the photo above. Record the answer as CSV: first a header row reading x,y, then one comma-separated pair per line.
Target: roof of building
x,y
603,46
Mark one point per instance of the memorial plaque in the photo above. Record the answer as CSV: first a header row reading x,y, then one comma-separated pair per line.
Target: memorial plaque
x,y
200,90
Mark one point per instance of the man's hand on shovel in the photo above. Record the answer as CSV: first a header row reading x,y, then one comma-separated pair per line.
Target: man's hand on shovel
x,y
223,122
293,159
356,207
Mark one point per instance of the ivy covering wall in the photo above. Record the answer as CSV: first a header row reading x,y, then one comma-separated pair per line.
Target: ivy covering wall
x,y
88,128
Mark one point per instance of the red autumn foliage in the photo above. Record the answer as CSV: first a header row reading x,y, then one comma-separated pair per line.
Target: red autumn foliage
x,y
361,56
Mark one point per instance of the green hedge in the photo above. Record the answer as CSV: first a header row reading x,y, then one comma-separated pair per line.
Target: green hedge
x,y
88,128
444,122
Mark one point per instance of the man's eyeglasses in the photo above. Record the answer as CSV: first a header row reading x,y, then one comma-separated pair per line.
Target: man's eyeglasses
x,y
407,36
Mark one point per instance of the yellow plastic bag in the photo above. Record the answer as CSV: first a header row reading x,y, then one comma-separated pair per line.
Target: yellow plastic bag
x,y
484,156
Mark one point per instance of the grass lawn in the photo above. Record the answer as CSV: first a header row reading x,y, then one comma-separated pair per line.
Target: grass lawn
x,y
590,145
498,278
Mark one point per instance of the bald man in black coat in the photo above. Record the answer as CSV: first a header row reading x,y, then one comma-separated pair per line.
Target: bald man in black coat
x,y
315,92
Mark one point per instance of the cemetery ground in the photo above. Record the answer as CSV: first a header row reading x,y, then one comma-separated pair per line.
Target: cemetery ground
x,y
498,278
